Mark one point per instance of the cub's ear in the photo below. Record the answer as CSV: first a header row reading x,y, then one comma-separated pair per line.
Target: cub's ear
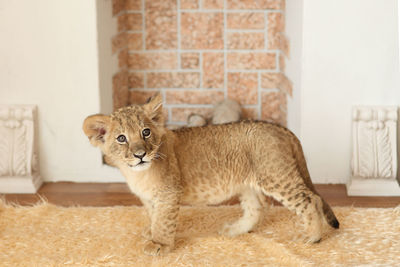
x,y
95,127
153,107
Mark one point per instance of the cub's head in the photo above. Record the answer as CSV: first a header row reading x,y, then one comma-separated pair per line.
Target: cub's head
x,y
131,135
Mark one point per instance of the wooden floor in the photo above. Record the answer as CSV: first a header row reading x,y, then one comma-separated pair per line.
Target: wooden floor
x,y
115,194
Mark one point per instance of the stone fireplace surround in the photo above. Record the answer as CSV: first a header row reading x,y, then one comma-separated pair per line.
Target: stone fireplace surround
x,y
198,52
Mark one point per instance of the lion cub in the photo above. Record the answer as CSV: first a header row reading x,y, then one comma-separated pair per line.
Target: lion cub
x,y
206,165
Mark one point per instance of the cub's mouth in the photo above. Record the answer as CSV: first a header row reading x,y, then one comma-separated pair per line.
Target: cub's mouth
x,y
142,162
142,165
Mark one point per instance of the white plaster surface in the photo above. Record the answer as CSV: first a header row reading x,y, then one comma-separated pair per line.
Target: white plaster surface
x,y
349,57
49,57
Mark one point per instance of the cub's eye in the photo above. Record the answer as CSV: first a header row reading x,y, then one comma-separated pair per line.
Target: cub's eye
x,y
146,132
121,138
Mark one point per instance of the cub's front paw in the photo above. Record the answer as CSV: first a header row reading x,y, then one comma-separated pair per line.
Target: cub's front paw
x,y
154,249
225,230
232,229
312,239
146,233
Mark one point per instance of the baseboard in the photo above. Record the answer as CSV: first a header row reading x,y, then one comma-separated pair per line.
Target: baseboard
x,y
20,185
373,187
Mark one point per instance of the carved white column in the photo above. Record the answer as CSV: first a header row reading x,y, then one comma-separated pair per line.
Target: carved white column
x,y
19,166
374,162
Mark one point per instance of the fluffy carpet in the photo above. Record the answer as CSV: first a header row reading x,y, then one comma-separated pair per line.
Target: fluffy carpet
x,y
48,235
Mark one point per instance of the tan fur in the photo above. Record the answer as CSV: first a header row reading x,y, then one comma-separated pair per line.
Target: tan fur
x,y
206,165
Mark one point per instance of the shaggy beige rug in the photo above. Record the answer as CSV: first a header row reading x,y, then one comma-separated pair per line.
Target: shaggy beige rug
x,y
48,235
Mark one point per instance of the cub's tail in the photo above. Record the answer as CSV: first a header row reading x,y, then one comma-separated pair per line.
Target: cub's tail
x,y
329,215
302,165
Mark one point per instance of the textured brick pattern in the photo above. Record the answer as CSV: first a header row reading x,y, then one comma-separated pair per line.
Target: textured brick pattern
x,y
213,4
190,60
243,87
255,4
189,4
120,89
198,52
202,30
193,97
136,80
135,41
213,70
246,21
161,24
273,107
251,61
173,80
153,61
245,40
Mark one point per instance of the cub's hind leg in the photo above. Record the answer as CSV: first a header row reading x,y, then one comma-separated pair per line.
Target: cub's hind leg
x,y
251,214
294,194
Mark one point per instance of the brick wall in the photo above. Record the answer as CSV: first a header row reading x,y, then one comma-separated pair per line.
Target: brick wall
x,y
198,52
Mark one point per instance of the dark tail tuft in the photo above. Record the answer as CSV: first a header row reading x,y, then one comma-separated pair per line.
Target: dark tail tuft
x,y
330,216
335,224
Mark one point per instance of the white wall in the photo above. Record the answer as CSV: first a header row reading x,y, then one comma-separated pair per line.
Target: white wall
x,y
49,57
108,63
349,57
294,31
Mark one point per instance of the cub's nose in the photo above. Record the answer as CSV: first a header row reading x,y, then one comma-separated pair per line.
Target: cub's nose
x,y
139,154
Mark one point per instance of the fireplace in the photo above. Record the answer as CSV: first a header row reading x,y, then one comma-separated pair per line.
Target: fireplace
x,y
199,52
